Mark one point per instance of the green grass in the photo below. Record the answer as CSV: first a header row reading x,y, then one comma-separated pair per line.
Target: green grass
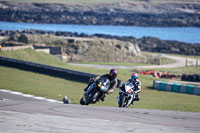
x,y
33,56
56,88
187,56
39,84
116,63
151,56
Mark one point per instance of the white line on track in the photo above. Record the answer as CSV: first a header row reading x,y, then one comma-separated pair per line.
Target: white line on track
x,y
31,96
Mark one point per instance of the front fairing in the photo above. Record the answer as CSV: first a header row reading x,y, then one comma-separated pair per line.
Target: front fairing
x,y
103,84
93,85
127,92
127,88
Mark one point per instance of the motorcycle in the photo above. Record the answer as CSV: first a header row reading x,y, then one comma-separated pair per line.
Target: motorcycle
x,y
95,91
126,95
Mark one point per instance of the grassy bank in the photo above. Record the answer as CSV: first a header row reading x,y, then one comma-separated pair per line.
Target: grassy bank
x,y
56,88
39,85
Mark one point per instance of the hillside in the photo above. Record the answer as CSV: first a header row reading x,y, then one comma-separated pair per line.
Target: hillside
x,y
149,44
80,49
157,13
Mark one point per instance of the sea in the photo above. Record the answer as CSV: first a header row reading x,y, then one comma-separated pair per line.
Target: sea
x,y
181,34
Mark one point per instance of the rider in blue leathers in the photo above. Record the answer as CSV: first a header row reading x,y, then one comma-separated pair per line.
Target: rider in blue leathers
x,y
137,85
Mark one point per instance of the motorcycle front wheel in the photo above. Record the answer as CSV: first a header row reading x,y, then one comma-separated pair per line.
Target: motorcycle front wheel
x,y
93,98
122,101
82,101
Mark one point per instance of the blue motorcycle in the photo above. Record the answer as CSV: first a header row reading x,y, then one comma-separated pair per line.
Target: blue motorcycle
x,y
95,91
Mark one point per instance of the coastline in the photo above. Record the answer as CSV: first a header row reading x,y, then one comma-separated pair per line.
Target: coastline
x,y
149,44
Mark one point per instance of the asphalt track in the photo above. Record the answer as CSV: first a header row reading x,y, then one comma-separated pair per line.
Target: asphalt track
x,y
19,114
179,62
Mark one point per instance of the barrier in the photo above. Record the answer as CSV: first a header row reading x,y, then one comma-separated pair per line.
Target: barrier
x,y
156,84
189,89
163,86
169,86
45,69
183,89
197,90
48,70
12,48
176,87
194,77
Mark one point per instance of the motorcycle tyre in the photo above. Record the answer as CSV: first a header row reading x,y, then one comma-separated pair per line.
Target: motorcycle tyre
x,y
95,95
122,100
82,101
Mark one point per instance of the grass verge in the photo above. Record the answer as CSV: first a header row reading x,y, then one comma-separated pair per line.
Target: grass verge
x,y
56,88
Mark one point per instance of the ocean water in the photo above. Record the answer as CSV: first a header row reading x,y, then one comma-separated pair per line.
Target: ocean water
x,y
182,34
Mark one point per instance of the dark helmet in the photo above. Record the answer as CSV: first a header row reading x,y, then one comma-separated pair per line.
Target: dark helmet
x,y
134,76
113,73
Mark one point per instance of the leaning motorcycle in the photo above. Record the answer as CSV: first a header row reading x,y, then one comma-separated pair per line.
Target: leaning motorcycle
x,y
95,91
126,95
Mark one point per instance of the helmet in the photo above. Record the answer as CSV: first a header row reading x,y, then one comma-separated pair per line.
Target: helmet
x,y
113,73
134,76
66,100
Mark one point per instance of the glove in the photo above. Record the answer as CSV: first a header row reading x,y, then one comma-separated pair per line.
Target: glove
x,y
91,80
110,91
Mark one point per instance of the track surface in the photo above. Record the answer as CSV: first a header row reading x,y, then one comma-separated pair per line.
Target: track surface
x,y
22,114
179,62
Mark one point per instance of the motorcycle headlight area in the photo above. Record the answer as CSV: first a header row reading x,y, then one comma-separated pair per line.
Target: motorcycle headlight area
x,y
100,86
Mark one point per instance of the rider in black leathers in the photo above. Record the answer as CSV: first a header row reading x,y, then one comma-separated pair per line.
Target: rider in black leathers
x,y
113,81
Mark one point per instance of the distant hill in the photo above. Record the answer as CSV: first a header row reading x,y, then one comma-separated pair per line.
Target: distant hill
x,y
144,44
158,13
79,49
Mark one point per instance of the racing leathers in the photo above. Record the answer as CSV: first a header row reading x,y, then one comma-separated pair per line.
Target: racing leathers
x,y
137,90
113,84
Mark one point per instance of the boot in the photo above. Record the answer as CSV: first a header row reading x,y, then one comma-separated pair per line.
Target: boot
x,y
133,102
103,98
86,89
137,97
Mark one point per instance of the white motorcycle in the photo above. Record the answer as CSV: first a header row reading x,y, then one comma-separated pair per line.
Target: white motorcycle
x,y
126,95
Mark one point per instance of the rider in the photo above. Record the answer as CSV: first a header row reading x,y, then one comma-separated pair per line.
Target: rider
x,y
113,81
137,85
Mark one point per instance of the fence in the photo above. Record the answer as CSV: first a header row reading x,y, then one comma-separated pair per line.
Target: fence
x,y
50,49
176,87
16,48
192,62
